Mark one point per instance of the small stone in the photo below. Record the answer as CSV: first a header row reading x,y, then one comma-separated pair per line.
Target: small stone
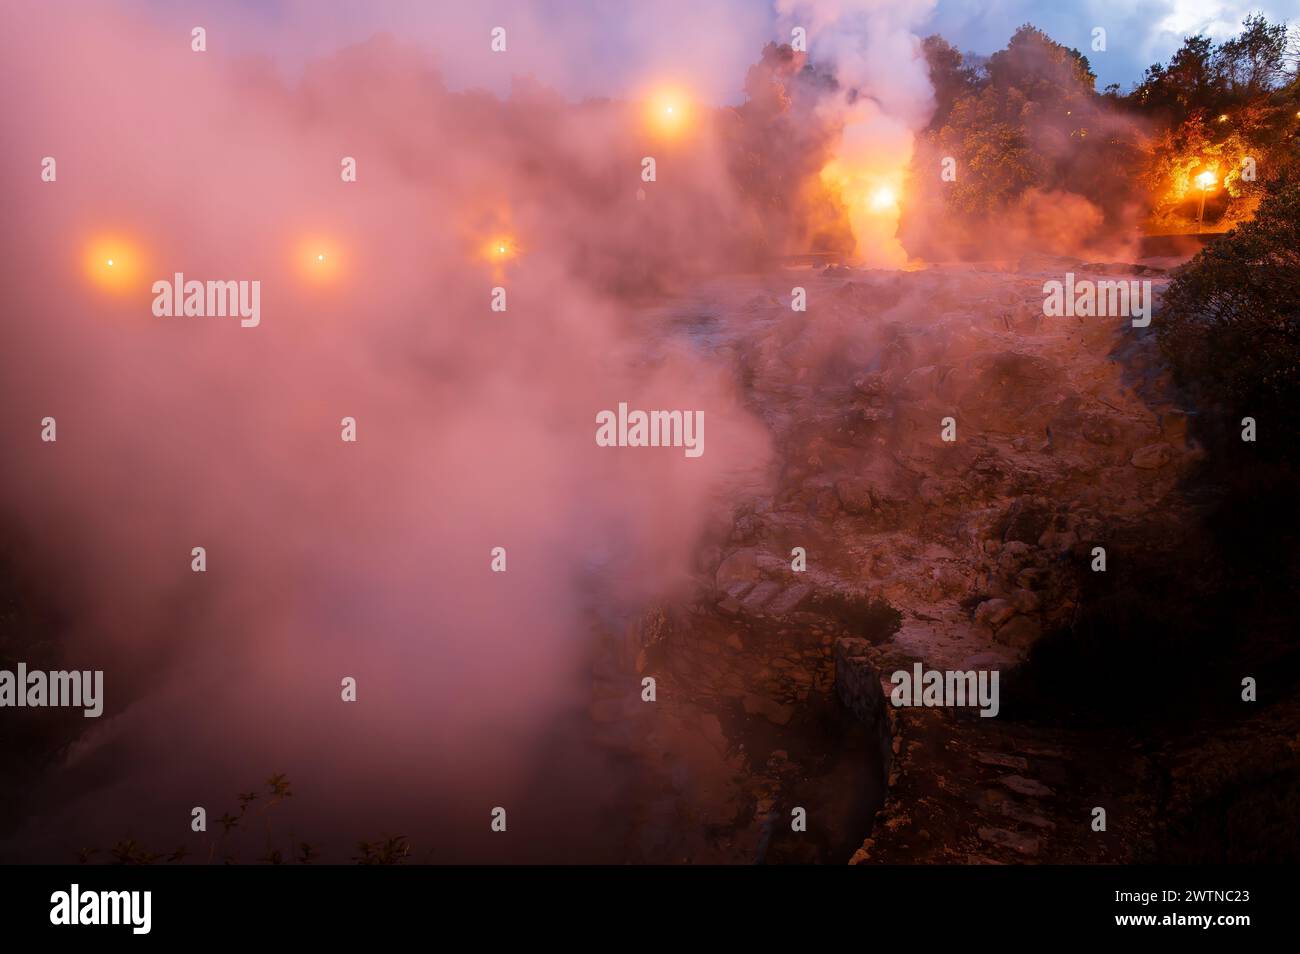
x,y
760,595
1023,815
1002,760
738,589
738,566
1026,786
854,495
789,600
1026,601
1024,844
994,612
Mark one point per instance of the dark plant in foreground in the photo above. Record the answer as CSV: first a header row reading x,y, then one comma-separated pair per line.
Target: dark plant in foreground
x,y
227,845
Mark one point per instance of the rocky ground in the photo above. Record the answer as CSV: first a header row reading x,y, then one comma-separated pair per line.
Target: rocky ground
x,y
1065,435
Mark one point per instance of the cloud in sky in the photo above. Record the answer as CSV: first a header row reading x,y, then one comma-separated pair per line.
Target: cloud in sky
x,y
612,47
1138,32
583,48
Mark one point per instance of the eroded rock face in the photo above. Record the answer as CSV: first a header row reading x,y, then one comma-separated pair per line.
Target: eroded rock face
x,y
978,542
854,494
1020,632
857,681
1153,456
739,566
1057,437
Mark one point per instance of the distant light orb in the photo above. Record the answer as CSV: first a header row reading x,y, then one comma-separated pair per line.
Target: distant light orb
x,y
499,249
114,263
317,259
668,112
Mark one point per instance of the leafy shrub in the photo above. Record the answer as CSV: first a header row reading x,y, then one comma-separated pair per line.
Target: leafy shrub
x,y
1230,324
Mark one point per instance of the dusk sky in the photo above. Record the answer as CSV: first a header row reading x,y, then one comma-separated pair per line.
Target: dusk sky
x,y
608,47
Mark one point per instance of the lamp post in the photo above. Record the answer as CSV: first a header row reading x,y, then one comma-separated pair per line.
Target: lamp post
x,y
1206,181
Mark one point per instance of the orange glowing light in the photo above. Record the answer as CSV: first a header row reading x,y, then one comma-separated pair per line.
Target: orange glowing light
x,y
499,249
319,260
1223,117
883,199
114,264
1207,180
668,111
870,186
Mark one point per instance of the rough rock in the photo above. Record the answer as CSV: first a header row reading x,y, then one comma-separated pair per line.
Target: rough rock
x,y
1003,760
771,710
994,612
1026,786
1020,632
857,681
854,494
759,595
738,566
789,600
1026,601
1024,844
1153,456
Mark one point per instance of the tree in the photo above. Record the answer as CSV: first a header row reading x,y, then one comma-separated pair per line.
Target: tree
x,y
1192,81
1037,123
777,145
1040,68
1230,322
950,76
1254,61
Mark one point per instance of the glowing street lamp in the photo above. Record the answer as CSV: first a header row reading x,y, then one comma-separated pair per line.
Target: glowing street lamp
x,y
1206,181
112,263
318,260
500,249
668,112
